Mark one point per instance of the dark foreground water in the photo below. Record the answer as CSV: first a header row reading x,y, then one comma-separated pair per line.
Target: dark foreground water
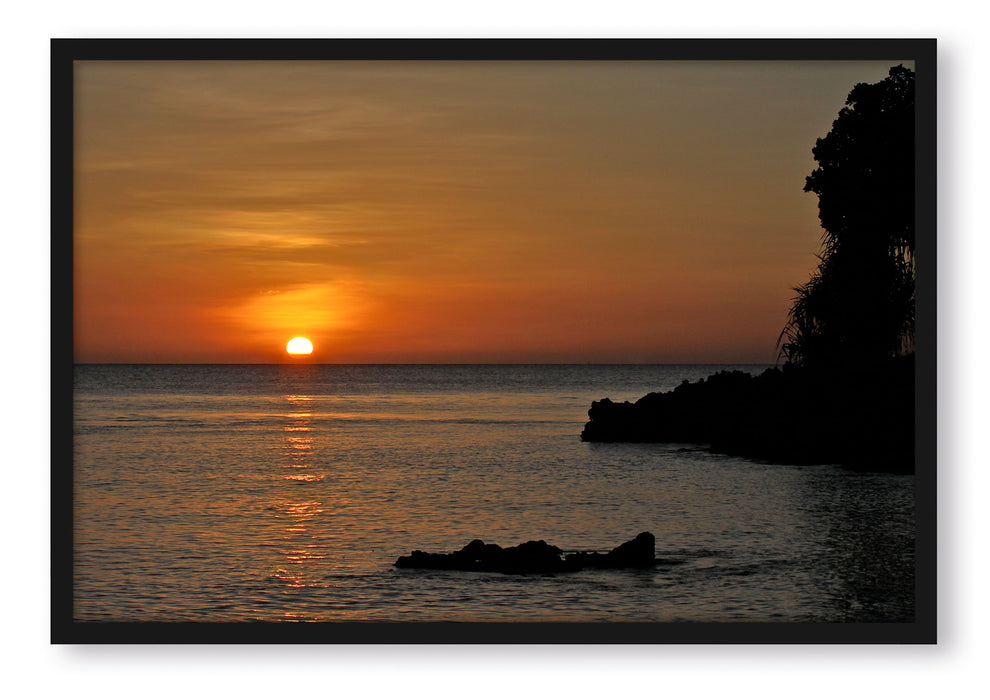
x,y
278,493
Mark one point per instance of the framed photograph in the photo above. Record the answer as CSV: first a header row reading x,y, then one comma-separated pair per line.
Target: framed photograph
x,y
493,341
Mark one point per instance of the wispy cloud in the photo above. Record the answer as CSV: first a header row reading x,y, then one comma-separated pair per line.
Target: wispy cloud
x,y
358,190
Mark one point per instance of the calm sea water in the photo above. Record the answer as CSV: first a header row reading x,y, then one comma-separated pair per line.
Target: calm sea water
x,y
285,493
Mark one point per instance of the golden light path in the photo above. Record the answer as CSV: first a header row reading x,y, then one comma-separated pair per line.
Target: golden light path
x,y
299,346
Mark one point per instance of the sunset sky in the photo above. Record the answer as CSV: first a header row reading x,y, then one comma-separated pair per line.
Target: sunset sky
x,y
446,211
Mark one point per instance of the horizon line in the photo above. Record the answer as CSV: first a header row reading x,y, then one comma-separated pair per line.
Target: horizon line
x,y
439,364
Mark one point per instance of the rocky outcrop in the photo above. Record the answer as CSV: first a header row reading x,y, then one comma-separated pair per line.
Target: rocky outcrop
x,y
637,552
534,557
862,418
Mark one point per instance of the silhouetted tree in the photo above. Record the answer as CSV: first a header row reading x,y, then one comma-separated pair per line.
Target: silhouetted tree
x,y
858,305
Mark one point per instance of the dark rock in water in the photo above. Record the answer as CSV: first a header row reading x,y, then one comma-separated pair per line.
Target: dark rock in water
x,y
537,557
533,557
862,418
637,552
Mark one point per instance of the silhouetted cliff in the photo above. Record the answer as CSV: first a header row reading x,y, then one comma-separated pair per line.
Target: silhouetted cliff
x,y
846,392
860,418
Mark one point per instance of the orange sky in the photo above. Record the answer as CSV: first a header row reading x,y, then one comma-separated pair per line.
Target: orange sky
x,y
446,211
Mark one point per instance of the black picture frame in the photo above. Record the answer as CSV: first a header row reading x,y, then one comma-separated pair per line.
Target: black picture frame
x,y
64,52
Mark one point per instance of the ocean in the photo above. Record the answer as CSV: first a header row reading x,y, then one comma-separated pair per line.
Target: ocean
x,y
277,493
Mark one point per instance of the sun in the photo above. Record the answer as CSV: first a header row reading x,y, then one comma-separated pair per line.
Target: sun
x,y
299,346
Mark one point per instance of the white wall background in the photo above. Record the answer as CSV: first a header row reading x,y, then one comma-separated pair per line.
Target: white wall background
x,y
33,668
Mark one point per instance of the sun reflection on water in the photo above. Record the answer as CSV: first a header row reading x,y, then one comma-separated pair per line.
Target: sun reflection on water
x,y
294,535
299,440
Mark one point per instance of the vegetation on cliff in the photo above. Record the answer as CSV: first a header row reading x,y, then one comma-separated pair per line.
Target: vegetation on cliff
x,y
858,306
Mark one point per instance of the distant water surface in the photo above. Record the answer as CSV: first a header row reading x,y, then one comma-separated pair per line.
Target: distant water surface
x,y
236,493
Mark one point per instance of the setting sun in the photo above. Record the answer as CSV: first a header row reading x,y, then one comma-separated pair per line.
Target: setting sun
x,y
299,346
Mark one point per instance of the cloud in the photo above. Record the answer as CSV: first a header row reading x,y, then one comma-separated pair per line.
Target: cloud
x,y
366,191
